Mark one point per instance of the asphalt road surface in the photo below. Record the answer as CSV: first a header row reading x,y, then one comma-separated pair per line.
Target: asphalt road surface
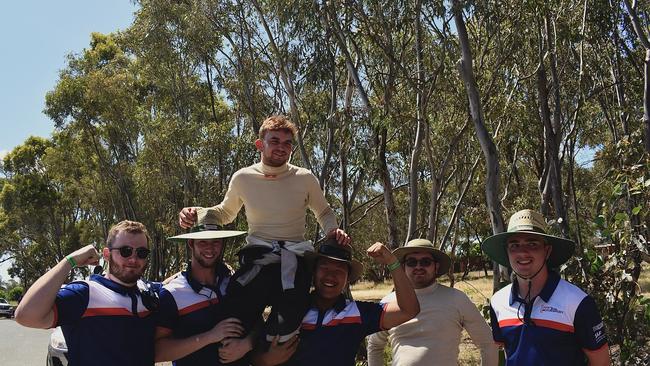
x,y
20,346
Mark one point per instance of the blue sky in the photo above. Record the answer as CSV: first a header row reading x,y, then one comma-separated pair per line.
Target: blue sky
x,y
36,37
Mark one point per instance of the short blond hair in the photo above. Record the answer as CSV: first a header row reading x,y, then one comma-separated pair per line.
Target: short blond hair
x,y
277,123
131,227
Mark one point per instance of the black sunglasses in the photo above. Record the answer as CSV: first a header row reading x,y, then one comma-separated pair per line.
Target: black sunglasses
x,y
127,251
424,262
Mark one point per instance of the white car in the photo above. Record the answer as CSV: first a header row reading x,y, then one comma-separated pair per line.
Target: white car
x,y
57,350
6,309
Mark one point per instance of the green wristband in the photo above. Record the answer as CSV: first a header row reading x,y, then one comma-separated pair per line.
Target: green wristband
x,y
70,260
393,266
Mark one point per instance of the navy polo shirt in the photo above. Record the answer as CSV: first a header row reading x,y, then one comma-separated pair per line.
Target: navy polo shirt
x,y
334,337
557,328
105,323
188,308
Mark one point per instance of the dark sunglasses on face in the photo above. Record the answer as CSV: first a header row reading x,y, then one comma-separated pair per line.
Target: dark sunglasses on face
x,y
127,251
424,262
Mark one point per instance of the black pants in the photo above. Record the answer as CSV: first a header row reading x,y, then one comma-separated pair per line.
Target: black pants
x,y
247,303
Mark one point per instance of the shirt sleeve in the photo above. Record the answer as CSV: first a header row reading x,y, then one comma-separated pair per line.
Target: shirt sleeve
x,y
70,304
478,330
588,324
226,211
496,331
168,311
376,344
317,203
371,314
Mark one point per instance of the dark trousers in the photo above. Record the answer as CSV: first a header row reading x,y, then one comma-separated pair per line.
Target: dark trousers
x,y
247,303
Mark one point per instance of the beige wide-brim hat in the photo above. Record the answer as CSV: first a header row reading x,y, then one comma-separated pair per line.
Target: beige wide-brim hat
x,y
424,245
343,253
528,222
206,228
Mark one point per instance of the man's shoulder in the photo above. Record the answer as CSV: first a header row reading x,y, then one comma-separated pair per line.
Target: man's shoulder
x,y
453,292
501,296
567,286
76,284
566,292
177,284
248,170
300,171
76,287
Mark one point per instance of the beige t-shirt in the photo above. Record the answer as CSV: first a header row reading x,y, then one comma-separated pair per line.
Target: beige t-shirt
x,y
275,200
433,336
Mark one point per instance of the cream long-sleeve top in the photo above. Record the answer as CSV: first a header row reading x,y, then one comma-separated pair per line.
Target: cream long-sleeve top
x,y
275,200
433,336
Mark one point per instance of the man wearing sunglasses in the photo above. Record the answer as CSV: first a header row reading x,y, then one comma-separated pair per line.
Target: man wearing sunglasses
x,y
110,307
433,336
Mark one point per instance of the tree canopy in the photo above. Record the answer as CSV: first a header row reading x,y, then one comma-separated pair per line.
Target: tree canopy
x,y
419,118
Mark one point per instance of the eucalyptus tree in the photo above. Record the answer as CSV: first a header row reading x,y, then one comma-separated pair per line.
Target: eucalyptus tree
x,y
41,220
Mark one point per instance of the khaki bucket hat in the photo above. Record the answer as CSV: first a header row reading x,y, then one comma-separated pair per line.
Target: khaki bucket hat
x,y
424,245
528,222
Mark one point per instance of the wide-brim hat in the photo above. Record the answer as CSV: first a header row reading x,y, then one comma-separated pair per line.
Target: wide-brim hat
x,y
339,252
528,222
206,228
424,245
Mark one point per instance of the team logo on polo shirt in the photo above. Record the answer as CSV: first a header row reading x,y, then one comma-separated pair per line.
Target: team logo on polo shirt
x,y
550,309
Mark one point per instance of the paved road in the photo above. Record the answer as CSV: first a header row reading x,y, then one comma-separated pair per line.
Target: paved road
x,y
20,346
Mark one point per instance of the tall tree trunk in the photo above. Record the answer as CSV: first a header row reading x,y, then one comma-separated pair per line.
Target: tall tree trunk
x,y
487,145
437,177
288,85
552,189
419,133
643,39
387,185
381,134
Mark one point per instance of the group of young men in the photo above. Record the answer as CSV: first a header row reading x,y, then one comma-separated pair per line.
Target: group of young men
x,y
210,316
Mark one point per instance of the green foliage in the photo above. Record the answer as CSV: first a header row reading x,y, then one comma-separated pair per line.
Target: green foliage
x,y
15,293
621,226
160,116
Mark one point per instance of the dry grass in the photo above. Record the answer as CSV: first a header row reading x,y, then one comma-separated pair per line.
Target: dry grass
x,y
477,287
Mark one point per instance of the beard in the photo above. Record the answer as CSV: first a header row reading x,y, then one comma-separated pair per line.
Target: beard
x,y
206,263
422,280
125,274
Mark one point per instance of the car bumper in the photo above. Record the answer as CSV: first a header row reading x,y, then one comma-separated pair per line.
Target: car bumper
x,y
7,312
56,356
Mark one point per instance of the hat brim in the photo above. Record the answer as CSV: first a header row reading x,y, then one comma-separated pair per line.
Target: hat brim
x,y
444,261
207,235
495,248
356,267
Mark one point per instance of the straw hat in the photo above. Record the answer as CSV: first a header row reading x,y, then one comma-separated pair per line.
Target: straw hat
x,y
206,228
528,222
424,245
